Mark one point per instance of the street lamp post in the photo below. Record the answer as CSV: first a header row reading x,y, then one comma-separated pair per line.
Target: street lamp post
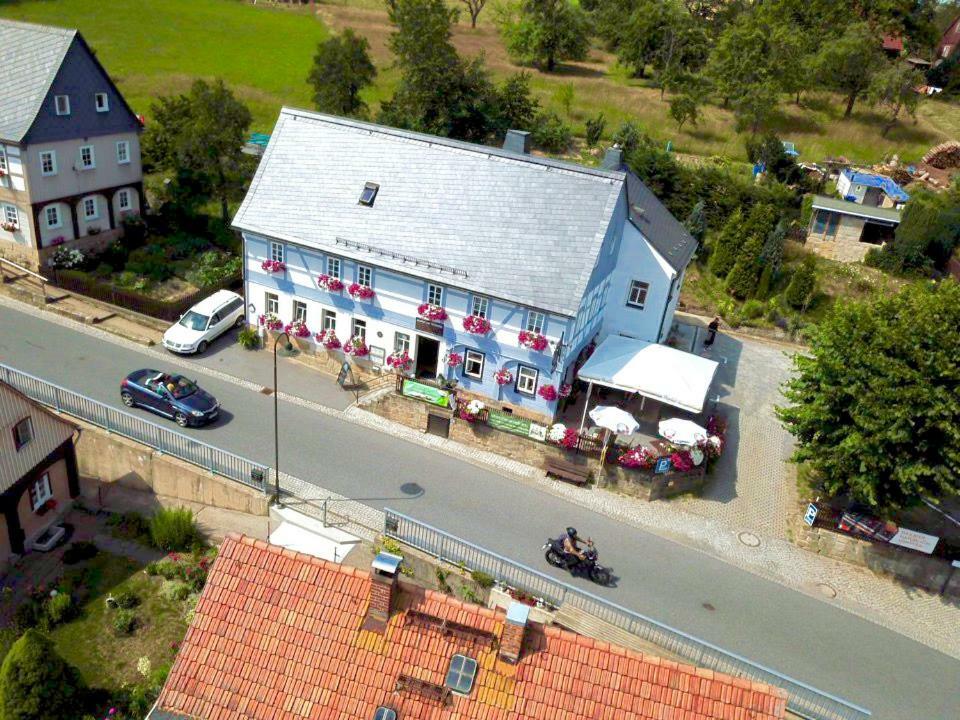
x,y
276,424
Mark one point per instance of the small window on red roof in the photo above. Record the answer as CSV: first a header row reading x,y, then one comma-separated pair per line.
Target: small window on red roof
x,y
385,713
462,672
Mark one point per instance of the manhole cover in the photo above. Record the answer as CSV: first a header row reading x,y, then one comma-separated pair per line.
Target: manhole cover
x,y
708,606
411,488
827,590
749,539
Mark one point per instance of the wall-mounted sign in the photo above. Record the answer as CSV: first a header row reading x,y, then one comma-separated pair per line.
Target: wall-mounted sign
x,y
663,465
427,393
377,356
428,326
509,423
537,432
921,542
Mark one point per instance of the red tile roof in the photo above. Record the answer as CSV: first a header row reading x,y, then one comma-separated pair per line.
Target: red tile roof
x,y
892,42
277,635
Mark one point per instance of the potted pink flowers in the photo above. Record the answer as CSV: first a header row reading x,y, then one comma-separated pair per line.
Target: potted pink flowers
x,y
476,325
297,329
532,340
360,292
271,322
329,283
399,361
454,360
548,393
471,411
357,347
273,266
328,338
638,457
503,376
432,312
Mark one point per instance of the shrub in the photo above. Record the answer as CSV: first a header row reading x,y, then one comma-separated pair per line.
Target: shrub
x,y
66,258
79,551
753,309
167,569
30,612
173,529
595,127
482,579
36,683
150,262
126,599
130,526
175,590
124,622
152,569
249,338
134,230
802,285
59,608
551,134
212,268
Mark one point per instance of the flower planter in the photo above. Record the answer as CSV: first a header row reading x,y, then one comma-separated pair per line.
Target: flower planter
x,y
454,360
356,348
360,292
503,377
533,341
330,284
434,313
48,539
273,266
476,325
399,361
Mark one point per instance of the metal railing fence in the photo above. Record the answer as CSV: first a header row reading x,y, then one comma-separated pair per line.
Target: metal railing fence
x,y
803,700
165,440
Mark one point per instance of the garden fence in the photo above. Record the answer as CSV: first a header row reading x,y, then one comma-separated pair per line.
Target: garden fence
x,y
169,442
803,700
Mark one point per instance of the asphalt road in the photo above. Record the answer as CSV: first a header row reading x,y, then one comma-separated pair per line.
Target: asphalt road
x,y
801,636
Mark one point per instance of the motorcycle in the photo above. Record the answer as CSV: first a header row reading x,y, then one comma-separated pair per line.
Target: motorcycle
x,y
588,566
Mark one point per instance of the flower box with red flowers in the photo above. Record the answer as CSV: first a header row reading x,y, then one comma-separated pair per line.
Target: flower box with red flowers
x,y
360,292
273,266
399,361
681,461
432,312
9,226
48,506
357,347
638,457
503,376
533,340
328,338
476,325
454,360
550,393
271,322
329,283
297,329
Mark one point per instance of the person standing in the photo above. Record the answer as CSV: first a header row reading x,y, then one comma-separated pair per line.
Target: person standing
x,y
712,331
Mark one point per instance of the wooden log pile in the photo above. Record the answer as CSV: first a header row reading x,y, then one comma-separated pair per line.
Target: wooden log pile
x,y
943,156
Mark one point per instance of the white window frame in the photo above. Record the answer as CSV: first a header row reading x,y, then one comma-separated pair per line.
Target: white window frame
x,y
96,208
535,322
474,356
123,158
480,307
365,276
42,491
333,267
271,304
276,251
93,158
328,318
299,311
13,432
123,199
435,294
57,215
61,108
3,160
359,329
48,155
635,299
11,215
106,102
401,342
525,381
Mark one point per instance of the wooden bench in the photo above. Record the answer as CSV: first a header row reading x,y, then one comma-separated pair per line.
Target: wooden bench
x,y
576,474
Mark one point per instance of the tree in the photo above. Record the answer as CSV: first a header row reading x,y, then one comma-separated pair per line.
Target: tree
x,y
517,108
893,89
36,683
873,404
803,284
594,129
848,63
743,277
474,7
754,109
341,69
696,222
683,49
543,32
771,257
769,150
723,253
551,133
927,235
200,137
629,136
740,59
684,108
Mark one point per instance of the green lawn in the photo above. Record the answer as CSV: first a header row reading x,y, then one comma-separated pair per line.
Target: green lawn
x,y
157,47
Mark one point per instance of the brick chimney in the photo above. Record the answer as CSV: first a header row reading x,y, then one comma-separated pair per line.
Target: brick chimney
x,y
383,582
517,141
514,629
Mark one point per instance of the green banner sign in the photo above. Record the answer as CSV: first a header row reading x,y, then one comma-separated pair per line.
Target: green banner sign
x,y
427,393
509,423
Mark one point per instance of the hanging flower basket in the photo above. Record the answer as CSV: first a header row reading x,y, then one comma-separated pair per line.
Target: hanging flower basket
x,y
565,390
454,360
357,347
273,266
432,312
476,325
503,376
548,393
9,226
399,361
360,292
471,411
328,338
271,322
297,329
329,283
532,340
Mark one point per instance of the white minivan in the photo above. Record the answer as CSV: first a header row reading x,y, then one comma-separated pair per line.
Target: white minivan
x,y
204,322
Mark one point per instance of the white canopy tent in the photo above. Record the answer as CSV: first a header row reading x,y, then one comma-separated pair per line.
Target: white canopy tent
x,y
655,371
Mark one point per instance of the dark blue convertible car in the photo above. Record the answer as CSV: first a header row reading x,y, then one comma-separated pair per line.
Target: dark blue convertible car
x,y
171,395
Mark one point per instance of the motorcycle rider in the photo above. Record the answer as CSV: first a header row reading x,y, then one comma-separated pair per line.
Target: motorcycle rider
x,y
571,548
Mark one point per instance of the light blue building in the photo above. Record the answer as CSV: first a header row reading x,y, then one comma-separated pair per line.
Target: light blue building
x,y
530,259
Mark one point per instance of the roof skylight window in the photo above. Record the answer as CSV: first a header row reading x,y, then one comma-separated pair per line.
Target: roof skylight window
x,y
385,713
369,194
462,672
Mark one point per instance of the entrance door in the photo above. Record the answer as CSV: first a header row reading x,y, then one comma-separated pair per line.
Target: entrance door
x,y
428,357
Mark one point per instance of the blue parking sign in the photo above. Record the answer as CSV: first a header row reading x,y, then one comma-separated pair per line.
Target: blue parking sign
x,y
810,515
662,466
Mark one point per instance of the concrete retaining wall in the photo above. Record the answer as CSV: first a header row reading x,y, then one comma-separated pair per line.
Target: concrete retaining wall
x,y
112,459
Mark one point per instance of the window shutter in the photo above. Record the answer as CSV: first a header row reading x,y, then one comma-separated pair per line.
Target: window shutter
x,y
33,496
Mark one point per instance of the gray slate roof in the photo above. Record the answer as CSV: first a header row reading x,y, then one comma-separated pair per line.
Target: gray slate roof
x,y
522,228
661,229
30,56
885,215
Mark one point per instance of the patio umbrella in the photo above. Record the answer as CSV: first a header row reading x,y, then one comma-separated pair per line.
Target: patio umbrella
x,y
681,432
613,418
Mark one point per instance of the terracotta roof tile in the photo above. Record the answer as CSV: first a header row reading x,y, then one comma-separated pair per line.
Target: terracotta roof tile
x,y
277,636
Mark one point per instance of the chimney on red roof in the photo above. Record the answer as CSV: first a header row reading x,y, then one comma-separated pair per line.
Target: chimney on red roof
x,y
386,567
514,629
